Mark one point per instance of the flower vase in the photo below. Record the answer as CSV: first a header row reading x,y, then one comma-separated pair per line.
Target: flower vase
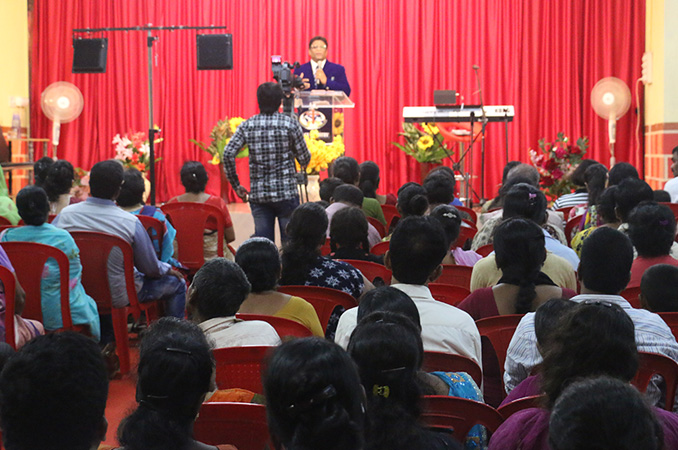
x,y
313,188
426,167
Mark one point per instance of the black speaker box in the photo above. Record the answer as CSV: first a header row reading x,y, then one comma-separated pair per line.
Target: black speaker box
x,y
89,55
215,51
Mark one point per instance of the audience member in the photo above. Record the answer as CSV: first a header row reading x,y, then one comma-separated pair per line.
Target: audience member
x,y
417,248
671,186
412,200
607,217
621,171
450,218
497,202
604,272
347,170
449,174
260,260
661,196
53,395
652,229
346,196
176,368
369,183
659,288
630,192
388,299
7,206
34,209
314,399
580,194
214,297
595,178
194,179
349,236
58,185
327,187
440,190
40,169
301,259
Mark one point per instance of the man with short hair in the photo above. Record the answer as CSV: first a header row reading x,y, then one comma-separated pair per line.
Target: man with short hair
x,y
604,271
345,196
671,186
319,73
415,254
216,293
274,141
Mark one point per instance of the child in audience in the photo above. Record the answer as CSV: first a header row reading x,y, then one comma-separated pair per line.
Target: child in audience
x,y
347,170
659,288
450,218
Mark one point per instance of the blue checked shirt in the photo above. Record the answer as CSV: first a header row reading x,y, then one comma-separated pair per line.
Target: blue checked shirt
x,y
274,141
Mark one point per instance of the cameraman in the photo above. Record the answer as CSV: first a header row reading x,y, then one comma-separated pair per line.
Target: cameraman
x,y
274,141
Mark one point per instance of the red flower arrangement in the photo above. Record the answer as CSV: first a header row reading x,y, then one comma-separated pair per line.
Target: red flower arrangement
x,y
556,161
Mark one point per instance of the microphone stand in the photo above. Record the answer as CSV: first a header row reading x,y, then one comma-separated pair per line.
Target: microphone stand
x,y
483,121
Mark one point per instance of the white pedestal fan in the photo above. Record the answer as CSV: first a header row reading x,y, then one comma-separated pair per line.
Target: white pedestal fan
x,y
611,99
62,102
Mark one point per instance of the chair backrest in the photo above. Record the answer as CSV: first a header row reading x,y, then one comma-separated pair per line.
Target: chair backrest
x,y
324,300
326,249
445,362
632,295
241,367
571,228
4,221
7,279
473,216
284,327
155,230
533,401
485,250
456,275
189,219
380,248
565,211
459,414
465,233
390,212
240,424
499,330
3,227
654,363
371,270
381,229
448,293
671,319
95,248
29,259
673,207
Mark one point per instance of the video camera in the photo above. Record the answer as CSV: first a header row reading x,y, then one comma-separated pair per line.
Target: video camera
x,y
282,73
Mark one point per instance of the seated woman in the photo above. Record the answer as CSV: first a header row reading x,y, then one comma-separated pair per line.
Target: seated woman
x,y
194,178
314,399
260,260
388,350
607,217
581,194
412,201
176,369
34,209
595,338
58,185
369,183
302,263
7,206
595,178
131,200
347,170
450,218
349,236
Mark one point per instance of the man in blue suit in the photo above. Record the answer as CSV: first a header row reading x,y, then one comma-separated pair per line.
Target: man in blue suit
x,y
319,73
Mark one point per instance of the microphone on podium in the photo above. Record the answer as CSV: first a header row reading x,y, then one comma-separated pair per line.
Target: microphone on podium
x,y
475,67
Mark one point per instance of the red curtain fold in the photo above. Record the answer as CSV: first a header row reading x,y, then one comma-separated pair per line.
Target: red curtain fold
x,y
542,57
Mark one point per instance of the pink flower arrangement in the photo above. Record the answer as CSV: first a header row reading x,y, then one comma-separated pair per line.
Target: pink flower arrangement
x,y
556,161
133,150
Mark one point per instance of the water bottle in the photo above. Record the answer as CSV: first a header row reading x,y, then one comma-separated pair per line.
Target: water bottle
x,y
16,126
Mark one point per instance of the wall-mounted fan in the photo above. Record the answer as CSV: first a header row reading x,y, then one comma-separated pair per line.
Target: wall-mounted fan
x,y
611,98
62,102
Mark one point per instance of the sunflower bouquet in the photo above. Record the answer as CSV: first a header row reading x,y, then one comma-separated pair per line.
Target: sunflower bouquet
x,y
423,142
222,132
322,153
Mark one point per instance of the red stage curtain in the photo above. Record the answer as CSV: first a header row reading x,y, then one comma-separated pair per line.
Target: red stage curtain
x,y
542,57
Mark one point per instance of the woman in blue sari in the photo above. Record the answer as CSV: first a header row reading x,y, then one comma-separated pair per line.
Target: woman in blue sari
x,y
34,209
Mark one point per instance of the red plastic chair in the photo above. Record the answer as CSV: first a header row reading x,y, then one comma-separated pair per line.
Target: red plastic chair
x,y
459,414
326,249
94,250
456,275
473,216
155,230
446,362
632,295
240,424
371,270
241,367
565,211
29,259
465,233
448,293
390,213
324,300
485,250
284,327
673,207
654,363
3,227
380,248
470,224
190,219
5,221
571,228
381,229
671,319
507,410
8,281
499,330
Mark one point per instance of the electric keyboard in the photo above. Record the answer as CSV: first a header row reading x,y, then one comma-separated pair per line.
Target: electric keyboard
x,y
501,113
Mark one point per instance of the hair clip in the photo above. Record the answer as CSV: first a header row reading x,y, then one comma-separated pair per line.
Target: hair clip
x,y
663,222
178,350
449,215
531,195
326,393
383,391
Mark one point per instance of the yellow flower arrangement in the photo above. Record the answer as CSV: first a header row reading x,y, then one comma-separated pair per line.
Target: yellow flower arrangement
x,y
337,123
423,142
430,128
220,135
322,153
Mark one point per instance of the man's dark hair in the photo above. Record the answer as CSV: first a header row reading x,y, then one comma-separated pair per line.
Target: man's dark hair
x,y
348,193
218,289
348,229
630,192
317,38
269,97
105,179
327,187
391,300
193,177
132,190
606,259
652,229
346,169
33,206
418,245
621,171
659,288
661,196
53,394
546,319
440,189
260,260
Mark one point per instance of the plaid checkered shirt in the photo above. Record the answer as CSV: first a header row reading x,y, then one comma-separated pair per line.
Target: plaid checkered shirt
x,y
274,141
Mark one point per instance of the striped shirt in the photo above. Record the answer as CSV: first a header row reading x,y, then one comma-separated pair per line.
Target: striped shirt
x,y
575,199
